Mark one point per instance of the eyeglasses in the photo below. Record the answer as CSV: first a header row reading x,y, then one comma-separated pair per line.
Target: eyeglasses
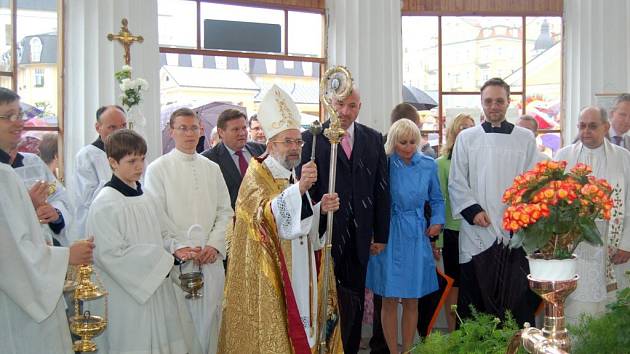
x,y
14,117
184,129
290,142
498,102
590,126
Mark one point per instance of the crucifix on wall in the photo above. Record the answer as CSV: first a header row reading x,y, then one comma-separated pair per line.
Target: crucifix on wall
x,y
126,39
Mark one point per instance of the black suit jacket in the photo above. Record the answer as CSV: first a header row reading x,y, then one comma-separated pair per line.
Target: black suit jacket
x,y
231,174
363,187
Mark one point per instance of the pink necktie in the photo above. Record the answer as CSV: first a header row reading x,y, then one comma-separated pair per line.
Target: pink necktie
x,y
242,164
345,144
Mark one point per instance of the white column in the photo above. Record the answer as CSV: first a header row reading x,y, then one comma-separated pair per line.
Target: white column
x,y
91,60
365,36
596,55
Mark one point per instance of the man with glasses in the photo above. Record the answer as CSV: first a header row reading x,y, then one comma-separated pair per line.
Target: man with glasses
x,y
32,272
92,169
485,160
192,192
256,132
272,295
49,197
601,268
234,152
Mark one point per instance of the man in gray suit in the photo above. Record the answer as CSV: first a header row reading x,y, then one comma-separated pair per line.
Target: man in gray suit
x,y
620,121
233,153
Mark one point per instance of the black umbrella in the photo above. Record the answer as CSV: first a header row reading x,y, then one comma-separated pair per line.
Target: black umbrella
x,y
417,98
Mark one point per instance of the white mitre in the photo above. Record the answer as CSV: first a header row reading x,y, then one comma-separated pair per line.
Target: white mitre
x,y
278,112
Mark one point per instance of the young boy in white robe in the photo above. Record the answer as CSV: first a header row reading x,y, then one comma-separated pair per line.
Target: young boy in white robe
x,y
131,259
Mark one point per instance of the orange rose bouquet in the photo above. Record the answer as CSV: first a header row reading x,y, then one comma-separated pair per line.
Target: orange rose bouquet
x,y
551,211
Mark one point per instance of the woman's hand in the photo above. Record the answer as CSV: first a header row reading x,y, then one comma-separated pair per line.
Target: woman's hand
x,y
434,230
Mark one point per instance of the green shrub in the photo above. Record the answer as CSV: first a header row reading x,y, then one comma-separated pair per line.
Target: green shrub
x,y
609,333
481,334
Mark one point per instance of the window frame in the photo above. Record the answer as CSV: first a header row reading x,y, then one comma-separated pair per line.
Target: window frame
x,y
522,93
13,74
322,60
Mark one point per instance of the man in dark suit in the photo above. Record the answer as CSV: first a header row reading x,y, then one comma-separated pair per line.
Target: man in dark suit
x,y
233,152
361,225
620,121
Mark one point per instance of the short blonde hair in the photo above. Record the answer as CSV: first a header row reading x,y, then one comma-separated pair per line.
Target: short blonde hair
x,y
452,130
401,129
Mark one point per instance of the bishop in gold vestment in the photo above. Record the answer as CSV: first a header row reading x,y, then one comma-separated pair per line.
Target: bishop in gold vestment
x,y
271,301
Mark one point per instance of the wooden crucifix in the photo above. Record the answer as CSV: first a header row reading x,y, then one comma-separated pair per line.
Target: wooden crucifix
x,y
126,39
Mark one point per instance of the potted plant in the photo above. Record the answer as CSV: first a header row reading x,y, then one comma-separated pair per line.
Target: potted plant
x,y
550,211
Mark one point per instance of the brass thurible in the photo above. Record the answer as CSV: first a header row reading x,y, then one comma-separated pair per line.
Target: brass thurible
x,y
86,325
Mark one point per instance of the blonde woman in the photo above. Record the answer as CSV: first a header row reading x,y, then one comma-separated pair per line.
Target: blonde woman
x,y
450,251
406,269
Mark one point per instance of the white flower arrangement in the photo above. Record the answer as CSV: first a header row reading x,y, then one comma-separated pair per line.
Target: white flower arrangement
x,y
131,88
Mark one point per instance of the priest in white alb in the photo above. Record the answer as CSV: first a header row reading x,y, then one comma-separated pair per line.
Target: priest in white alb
x,y
193,194
486,158
32,273
601,268
92,170
272,286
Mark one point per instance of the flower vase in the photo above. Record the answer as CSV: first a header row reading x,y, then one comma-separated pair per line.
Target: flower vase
x,y
552,269
135,118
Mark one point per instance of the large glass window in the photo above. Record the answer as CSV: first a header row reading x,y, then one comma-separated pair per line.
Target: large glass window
x,y
29,65
448,58
210,80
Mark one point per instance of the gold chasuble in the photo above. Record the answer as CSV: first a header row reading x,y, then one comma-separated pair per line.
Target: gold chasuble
x,y
260,314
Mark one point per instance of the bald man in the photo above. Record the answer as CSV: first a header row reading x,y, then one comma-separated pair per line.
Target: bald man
x,y
601,268
92,168
361,225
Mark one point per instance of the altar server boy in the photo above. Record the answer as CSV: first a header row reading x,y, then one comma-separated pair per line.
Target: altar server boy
x,y
132,261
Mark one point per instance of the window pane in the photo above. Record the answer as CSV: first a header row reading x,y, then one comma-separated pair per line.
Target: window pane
x,y
420,53
6,82
305,33
210,11
544,70
471,105
6,36
32,142
37,61
176,23
211,84
475,49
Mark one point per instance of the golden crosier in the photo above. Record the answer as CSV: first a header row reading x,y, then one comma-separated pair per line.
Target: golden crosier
x,y
335,84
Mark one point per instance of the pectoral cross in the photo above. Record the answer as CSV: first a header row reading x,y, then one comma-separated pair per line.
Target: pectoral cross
x,y
126,39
